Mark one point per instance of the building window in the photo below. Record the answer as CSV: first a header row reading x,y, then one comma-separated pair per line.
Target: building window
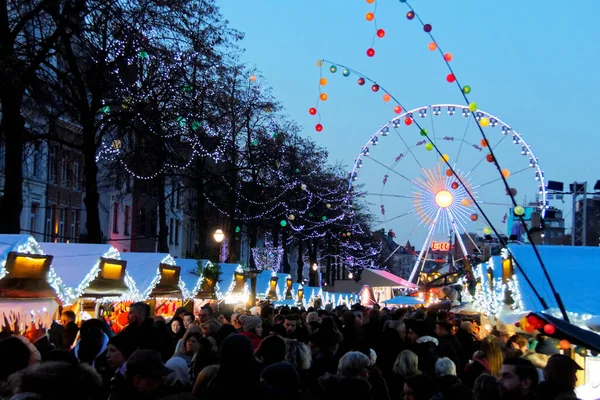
x,y
2,154
177,233
142,223
116,218
37,161
48,229
33,218
61,226
72,235
75,175
126,221
52,164
64,167
171,232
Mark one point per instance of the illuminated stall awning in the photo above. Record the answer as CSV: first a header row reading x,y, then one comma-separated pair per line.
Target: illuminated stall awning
x,y
156,275
93,271
26,277
29,288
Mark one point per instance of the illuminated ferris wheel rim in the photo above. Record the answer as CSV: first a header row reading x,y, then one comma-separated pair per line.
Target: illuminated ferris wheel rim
x,y
436,110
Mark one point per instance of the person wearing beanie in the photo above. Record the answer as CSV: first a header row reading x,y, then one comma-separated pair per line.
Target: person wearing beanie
x,y
253,330
423,345
119,349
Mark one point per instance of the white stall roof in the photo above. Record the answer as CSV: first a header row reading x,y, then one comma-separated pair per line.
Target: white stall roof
x,y
17,243
143,267
189,267
227,278
73,261
572,270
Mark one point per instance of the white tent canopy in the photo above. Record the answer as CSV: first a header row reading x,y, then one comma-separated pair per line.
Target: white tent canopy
x,y
144,269
78,265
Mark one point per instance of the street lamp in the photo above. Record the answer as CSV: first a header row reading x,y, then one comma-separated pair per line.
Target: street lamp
x,y
219,236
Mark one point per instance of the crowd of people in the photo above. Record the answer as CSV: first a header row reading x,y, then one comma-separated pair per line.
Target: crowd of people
x,y
282,353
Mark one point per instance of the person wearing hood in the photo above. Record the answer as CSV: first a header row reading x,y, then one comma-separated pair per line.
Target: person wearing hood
x,y
177,381
91,349
424,346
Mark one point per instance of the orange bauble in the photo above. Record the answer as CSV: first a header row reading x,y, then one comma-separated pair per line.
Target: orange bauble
x,y
564,344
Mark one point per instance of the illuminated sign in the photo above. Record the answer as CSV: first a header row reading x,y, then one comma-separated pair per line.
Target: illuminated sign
x,y
440,246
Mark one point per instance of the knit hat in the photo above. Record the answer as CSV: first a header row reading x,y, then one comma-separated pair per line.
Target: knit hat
x,y
417,326
125,344
250,323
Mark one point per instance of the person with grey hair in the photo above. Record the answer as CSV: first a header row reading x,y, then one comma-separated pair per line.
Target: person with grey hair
x,y
354,364
445,366
449,384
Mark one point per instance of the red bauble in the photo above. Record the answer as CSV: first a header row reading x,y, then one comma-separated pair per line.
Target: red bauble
x,y
549,329
410,15
380,33
370,52
533,320
361,81
312,111
318,127
375,87
450,78
489,158
427,28
454,185
408,121
397,109
449,172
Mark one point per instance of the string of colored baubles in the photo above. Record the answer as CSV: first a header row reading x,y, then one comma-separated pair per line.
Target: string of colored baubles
x,y
483,122
398,108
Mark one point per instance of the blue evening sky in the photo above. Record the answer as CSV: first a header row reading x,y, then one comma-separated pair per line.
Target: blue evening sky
x,y
534,64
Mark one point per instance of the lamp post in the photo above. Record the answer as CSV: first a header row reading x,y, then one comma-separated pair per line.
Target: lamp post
x,y
219,236
252,273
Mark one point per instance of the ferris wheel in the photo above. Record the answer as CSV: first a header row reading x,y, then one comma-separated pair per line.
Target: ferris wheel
x,y
416,194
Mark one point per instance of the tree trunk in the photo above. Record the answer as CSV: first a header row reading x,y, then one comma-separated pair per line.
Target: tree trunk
x,y
300,261
92,197
329,256
11,204
286,263
163,229
252,233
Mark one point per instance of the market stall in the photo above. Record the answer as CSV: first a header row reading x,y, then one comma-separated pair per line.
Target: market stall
x,y
29,289
159,281
95,272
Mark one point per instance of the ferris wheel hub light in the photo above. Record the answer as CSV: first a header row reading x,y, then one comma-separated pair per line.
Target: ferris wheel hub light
x,y
443,198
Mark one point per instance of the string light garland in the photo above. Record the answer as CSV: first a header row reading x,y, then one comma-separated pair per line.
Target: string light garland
x,y
423,132
447,58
